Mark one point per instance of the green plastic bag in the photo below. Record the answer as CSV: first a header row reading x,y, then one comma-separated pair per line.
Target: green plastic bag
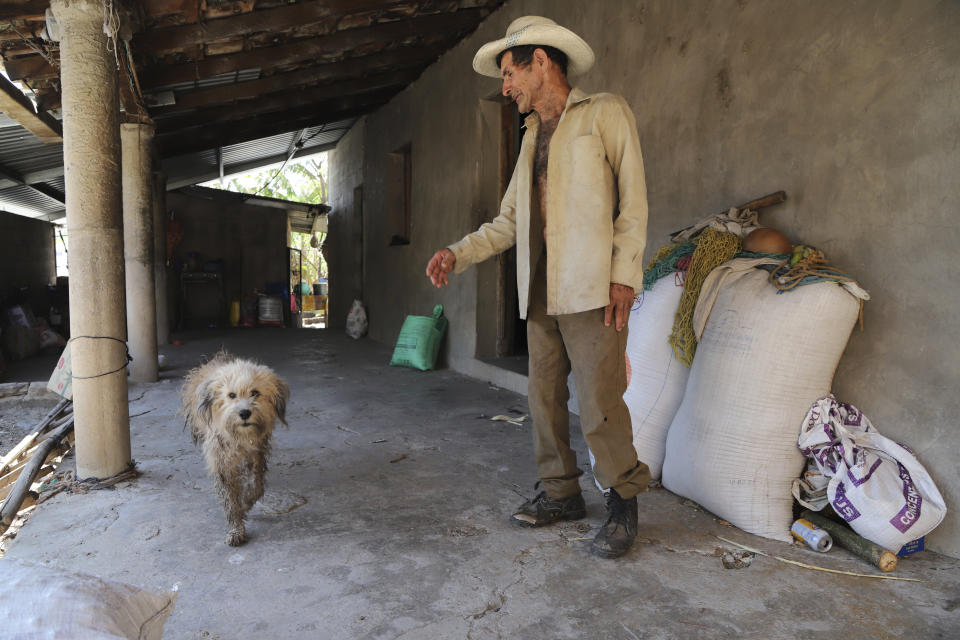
x,y
419,341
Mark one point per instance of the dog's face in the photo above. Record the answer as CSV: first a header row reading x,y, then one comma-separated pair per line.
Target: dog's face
x,y
242,396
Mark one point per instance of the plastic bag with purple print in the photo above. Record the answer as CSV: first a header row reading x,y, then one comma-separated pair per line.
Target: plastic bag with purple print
x,y
877,485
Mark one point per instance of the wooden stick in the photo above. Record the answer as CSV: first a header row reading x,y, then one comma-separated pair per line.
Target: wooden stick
x,y
766,201
14,469
12,504
24,445
814,567
759,203
876,555
29,440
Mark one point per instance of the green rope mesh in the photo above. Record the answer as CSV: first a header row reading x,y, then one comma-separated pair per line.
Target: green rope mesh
x,y
665,261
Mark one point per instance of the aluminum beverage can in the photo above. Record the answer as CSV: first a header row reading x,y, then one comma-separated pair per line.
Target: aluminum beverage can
x,y
814,536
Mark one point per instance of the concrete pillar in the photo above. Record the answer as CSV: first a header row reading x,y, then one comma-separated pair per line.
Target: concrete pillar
x,y
160,256
138,240
91,156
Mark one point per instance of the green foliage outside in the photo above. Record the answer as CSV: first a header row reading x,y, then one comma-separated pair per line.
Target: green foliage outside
x,y
300,180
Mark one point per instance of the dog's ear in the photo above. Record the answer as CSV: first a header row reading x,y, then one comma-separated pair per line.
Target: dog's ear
x,y
206,392
280,396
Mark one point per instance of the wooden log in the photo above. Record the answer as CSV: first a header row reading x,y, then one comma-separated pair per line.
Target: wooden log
x,y
10,459
766,201
62,420
12,471
28,441
876,555
10,478
12,504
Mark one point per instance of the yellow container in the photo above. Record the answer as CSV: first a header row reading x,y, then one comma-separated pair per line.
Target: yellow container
x,y
234,313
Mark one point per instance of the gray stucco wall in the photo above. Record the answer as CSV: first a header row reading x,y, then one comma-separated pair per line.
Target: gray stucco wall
x,y
345,230
850,107
250,240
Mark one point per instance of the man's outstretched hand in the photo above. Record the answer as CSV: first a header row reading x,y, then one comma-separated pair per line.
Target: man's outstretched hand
x,y
439,266
621,300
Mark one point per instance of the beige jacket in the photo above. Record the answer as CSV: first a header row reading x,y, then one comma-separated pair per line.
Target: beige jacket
x,y
596,208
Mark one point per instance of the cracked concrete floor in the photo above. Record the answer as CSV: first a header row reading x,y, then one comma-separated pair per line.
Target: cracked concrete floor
x,y
386,517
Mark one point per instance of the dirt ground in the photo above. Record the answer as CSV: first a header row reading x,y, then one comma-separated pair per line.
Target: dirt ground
x,y
22,406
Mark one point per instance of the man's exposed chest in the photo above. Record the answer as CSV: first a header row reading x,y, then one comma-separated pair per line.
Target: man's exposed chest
x,y
541,151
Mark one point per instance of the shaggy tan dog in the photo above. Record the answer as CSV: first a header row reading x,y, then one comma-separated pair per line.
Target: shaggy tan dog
x,y
230,406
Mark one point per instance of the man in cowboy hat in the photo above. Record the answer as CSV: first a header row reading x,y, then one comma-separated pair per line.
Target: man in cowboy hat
x,y
576,208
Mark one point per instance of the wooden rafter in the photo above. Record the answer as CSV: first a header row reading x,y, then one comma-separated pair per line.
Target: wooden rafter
x,y
399,60
199,138
280,103
31,10
171,39
18,106
308,49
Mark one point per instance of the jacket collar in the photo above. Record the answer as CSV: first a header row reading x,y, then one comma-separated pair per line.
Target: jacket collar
x,y
576,96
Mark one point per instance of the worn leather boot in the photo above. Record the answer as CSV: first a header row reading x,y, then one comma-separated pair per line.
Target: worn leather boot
x,y
618,532
543,510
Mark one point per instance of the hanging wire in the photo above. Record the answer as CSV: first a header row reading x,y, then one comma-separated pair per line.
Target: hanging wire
x,y
111,24
296,147
132,72
128,359
55,64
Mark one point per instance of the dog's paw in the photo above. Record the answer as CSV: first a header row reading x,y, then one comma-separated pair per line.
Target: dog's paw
x,y
236,538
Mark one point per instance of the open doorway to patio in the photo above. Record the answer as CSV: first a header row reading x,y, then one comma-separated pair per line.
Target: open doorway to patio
x,y
308,278
501,334
298,185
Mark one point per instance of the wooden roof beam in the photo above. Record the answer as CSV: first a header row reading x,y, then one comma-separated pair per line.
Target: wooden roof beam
x,y
170,39
399,59
189,141
284,101
32,10
18,106
309,49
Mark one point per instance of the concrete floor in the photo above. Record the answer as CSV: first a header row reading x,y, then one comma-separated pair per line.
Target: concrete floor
x,y
386,517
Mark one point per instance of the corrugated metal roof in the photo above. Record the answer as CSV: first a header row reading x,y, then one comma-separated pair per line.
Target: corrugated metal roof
x,y
239,158
26,198
22,155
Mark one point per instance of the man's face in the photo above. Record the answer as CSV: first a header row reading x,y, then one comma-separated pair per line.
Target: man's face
x,y
520,84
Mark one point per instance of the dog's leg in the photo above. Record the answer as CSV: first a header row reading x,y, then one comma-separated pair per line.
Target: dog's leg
x,y
255,486
229,491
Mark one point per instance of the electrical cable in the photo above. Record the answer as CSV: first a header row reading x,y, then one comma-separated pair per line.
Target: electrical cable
x,y
100,375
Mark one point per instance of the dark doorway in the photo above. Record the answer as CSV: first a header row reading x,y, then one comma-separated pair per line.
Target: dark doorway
x,y
501,334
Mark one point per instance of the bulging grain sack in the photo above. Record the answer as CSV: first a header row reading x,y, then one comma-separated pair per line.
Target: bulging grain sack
x,y
656,379
762,360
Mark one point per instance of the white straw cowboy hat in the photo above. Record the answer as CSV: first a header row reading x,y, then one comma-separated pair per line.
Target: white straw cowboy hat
x,y
535,30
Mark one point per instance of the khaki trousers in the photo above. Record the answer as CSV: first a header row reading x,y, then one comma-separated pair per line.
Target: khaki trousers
x,y
595,353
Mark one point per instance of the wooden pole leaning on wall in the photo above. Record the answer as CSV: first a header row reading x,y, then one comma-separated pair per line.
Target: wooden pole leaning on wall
x,y
753,205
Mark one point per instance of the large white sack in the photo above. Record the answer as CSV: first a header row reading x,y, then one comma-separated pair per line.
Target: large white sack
x,y
657,379
41,602
762,360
